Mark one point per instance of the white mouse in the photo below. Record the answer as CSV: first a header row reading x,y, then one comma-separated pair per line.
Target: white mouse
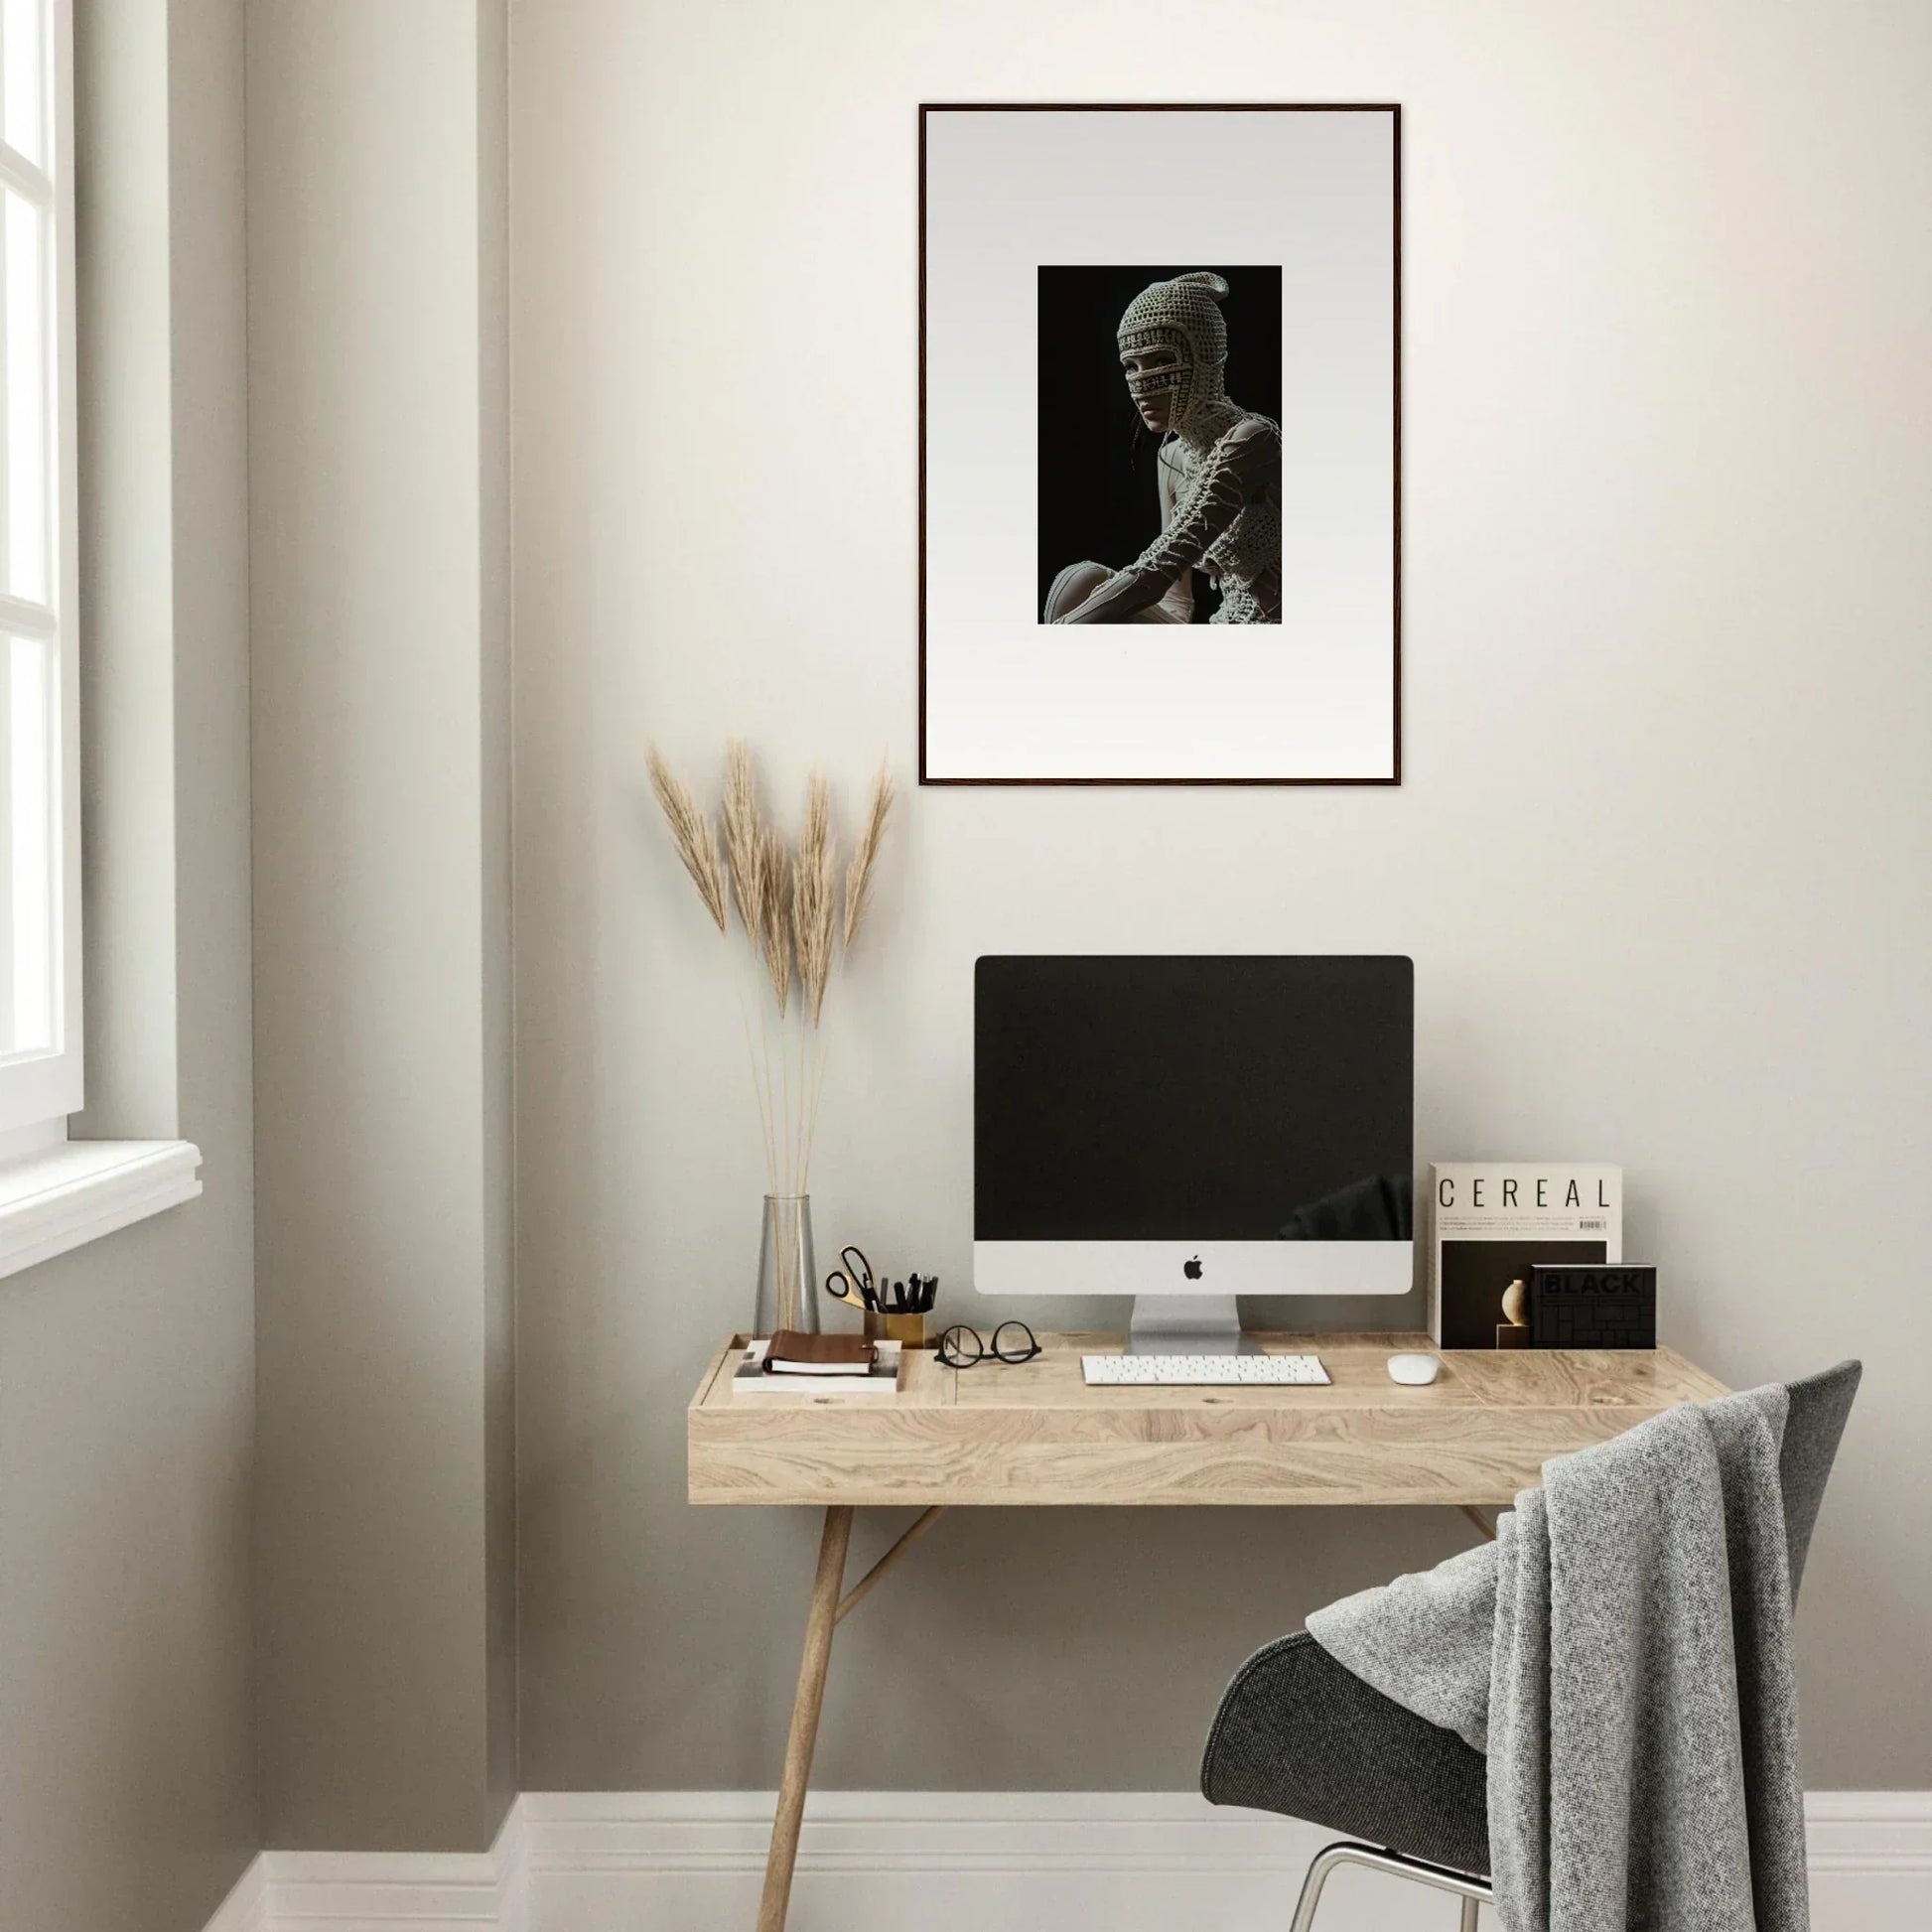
x,y
1415,1370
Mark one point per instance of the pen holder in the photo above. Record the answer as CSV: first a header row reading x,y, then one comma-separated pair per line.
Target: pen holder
x,y
908,1330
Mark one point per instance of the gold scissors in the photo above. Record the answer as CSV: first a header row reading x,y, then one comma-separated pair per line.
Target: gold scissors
x,y
851,1281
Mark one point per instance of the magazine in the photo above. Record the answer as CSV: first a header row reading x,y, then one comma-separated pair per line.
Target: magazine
x,y
1491,1221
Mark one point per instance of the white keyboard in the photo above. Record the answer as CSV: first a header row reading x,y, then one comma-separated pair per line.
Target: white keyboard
x,y
1202,1371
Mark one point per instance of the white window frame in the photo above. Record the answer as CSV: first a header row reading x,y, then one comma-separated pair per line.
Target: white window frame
x,y
56,1192
40,1089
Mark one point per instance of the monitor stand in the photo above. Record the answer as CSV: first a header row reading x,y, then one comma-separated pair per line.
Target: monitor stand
x,y
1187,1324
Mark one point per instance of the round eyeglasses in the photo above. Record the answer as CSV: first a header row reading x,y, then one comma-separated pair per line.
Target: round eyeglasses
x,y
1013,1341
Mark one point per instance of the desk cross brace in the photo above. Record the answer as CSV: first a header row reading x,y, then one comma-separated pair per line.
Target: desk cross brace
x,y
1474,1515
856,1594
829,1609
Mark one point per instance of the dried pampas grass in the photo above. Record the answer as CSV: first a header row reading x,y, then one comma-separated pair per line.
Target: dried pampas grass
x,y
743,848
788,903
774,936
857,874
691,833
814,897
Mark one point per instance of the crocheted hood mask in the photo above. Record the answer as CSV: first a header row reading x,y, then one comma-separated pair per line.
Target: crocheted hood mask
x,y
1183,317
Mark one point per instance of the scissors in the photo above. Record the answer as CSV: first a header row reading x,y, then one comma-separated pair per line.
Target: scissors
x,y
851,1281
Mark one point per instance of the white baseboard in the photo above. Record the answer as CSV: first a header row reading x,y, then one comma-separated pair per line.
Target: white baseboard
x,y
955,1862
245,1910
1870,1858
386,1892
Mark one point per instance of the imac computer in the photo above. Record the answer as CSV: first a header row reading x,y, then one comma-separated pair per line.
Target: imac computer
x,y
1186,1129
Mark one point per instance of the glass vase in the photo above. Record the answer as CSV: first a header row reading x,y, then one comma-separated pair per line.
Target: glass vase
x,y
787,1275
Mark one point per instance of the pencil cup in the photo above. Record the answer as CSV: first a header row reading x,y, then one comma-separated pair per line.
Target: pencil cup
x,y
908,1330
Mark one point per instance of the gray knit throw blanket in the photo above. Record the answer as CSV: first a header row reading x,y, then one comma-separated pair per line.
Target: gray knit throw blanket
x,y
1623,1652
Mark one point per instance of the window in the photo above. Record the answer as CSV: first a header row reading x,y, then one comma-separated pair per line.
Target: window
x,y
55,1194
40,871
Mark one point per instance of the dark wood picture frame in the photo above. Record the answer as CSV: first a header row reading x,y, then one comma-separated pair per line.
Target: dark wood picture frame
x,y
1391,108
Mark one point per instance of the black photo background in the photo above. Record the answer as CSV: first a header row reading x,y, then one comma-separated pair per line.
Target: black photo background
x,y
1098,497
1478,1274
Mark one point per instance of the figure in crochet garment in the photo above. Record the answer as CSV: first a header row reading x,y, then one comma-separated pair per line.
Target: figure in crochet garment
x,y
1220,475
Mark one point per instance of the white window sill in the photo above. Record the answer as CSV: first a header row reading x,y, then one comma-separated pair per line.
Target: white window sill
x,y
77,1191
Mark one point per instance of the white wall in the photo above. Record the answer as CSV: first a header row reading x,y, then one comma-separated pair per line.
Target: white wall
x,y
1660,856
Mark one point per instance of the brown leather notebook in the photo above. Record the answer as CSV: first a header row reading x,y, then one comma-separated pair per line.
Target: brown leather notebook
x,y
792,1353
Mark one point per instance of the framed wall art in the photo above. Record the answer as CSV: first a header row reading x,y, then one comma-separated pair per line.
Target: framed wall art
x,y
1159,445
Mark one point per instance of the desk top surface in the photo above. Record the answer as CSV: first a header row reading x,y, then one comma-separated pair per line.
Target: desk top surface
x,y
1035,1434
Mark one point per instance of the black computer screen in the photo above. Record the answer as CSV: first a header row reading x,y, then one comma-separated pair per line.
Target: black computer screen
x,y
1193,1099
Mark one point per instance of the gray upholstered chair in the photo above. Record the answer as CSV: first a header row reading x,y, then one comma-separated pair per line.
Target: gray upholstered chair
x,y
1298,1734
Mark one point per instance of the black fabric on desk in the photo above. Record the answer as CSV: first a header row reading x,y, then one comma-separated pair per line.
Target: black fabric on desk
x,y
1298,1734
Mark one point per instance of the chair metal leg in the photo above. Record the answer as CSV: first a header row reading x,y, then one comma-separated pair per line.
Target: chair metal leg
x,y
1324,1863
1471,1890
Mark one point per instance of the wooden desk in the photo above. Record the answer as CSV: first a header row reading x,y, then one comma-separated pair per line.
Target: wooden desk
x,y
1034,1434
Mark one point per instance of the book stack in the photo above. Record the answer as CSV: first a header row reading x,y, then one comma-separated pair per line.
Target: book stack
x,y
1494,1221
849,1368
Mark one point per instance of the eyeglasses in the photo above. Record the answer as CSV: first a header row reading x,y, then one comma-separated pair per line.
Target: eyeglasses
x,y
1013,1341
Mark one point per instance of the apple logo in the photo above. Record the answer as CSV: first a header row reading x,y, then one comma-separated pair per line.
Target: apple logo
x,y
1191,1268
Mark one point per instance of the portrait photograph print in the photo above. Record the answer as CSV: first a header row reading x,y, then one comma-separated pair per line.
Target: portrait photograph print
x,y
1159,458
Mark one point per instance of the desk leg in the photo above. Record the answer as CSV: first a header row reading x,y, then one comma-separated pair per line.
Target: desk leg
x,y
819,1620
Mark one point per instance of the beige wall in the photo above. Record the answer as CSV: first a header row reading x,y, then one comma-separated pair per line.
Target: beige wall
x,y
378,537
498,1153
127,1786
1661,856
